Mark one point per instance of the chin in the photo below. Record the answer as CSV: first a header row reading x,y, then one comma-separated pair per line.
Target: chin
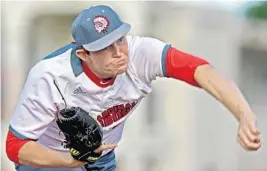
x,y
122,69
120,72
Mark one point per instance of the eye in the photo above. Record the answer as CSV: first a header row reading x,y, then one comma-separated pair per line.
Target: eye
x,y
104,49
120,40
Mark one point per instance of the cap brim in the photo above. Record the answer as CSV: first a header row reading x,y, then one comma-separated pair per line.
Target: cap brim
x,y
109,38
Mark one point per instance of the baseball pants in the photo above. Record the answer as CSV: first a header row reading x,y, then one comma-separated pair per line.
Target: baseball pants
x,y
105,163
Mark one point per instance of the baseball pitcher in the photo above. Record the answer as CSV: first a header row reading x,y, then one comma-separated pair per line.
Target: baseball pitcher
x,y
71,112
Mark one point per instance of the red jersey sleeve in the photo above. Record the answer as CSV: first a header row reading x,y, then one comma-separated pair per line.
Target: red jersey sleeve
x,y
13,145
182,66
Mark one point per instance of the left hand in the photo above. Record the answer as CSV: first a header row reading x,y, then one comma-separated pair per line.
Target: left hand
x,y
248,133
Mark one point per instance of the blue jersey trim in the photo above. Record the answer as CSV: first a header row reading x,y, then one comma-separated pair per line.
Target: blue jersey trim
x,y
60,51
76,63
17,134
163,59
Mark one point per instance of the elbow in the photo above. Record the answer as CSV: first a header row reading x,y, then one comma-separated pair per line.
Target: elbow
x,y
214,82
203,75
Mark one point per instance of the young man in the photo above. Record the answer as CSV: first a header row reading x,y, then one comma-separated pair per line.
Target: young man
x,y
106,73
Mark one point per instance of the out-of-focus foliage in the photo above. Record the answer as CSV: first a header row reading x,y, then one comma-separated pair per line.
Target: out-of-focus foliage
x,y
258,11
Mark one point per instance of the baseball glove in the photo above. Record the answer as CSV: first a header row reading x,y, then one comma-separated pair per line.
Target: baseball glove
x,y
82,134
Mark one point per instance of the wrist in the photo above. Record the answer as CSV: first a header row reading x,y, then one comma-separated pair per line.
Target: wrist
x,y
247,116
67,160
71,162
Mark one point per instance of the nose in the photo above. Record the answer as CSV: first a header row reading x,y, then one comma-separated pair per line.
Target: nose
x,y
117,50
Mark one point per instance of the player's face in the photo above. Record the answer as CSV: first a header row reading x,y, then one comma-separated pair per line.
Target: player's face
x,y
111,61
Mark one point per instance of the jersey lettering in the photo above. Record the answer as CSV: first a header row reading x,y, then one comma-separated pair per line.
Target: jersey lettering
x,y
114,114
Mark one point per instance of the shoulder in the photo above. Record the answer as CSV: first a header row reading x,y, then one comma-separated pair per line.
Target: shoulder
x,y
146,56
145,46
55,64
143,43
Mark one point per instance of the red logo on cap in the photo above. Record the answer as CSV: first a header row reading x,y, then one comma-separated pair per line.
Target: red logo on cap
x,y
101,23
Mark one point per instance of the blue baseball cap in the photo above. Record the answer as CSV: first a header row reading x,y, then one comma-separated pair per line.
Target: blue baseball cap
x,y
98,27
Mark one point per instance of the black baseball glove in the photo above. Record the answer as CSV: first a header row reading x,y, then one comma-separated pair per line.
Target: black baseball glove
x,y
83,134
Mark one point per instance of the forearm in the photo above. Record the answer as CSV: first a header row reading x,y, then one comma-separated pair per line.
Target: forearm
x,y
33,154
223,90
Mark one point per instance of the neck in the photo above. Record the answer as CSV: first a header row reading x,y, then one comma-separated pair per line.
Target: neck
x,y
95,76
94,71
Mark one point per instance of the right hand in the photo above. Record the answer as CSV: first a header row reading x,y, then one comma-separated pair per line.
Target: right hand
x,y
248,133
76,163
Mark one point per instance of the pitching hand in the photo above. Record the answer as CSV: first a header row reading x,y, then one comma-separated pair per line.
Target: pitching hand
x,y
249,134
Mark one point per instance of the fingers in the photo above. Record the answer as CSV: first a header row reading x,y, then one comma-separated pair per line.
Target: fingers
x,y
251,133
241,142
253,129
248,140
105,147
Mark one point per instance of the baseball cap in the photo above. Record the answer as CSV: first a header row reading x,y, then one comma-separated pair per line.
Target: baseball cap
x,y
98,27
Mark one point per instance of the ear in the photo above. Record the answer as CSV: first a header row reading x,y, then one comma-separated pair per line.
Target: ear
x,y
82,54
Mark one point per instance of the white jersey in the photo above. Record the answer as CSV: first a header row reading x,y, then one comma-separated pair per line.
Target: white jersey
x,y
40,101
